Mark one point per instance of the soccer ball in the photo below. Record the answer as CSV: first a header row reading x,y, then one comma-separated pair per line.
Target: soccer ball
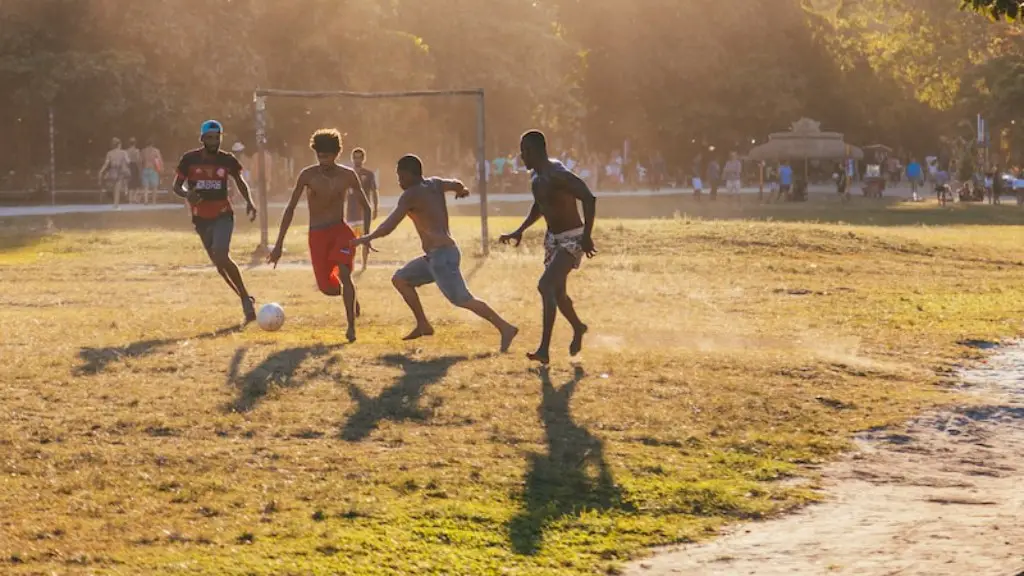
x,y
270,317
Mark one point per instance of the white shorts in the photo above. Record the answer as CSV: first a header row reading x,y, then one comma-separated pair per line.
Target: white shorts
x,y
733,186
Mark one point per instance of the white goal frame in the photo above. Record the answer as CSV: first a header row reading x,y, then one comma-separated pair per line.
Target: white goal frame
x,y
260,106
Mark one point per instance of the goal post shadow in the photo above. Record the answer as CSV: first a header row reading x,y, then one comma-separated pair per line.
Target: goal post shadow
x,y
260,106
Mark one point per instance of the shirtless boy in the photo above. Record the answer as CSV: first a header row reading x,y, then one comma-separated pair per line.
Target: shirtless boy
x,y
555,192
423,200
330,238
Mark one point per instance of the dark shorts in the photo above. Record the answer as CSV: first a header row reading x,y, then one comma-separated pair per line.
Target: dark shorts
x,y
216,233
135,176
439,266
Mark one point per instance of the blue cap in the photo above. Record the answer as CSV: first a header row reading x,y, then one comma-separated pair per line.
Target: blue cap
x,y
211,126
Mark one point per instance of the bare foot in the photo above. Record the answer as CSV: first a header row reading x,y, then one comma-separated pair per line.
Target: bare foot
x,y
577,340
507,336
351,334
539,356
420,332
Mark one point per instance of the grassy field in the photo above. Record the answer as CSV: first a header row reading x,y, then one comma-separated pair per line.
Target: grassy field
x,y
728,356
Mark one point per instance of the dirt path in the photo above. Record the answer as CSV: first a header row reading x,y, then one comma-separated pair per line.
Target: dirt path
x,y
943,494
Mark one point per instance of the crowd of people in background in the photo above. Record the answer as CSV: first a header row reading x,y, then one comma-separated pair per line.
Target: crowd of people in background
x,y
135,175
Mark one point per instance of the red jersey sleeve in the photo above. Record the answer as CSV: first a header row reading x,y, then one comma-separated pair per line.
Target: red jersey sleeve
x,y
183,166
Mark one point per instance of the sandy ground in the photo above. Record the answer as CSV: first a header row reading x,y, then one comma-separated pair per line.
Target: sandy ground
x,y
943,494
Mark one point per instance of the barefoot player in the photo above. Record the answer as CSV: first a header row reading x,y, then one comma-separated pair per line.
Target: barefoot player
x,y
423,200
555,192
205,172
355,210
330,238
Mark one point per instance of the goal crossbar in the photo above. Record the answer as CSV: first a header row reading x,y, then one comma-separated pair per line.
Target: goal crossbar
x,y
367,95
259,103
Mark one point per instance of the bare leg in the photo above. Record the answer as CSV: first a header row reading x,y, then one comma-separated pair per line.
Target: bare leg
x,y
483,310
229,272
412,299
234,276
348,294
366,255
578,327
223,274
551,288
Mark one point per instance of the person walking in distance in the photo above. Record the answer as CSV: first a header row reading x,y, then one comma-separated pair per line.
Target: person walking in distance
x,y
556,190
733,172
116,170
152,167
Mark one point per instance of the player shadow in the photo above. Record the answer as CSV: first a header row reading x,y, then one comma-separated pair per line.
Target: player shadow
x,y
400,401
96,360
278,369
572,477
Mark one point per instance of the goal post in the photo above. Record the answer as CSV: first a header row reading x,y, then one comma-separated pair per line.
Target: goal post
x,y
260,106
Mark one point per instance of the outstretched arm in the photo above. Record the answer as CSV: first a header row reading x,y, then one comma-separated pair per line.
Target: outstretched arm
x,y
243,188
286,218
530,220
517,235
390,223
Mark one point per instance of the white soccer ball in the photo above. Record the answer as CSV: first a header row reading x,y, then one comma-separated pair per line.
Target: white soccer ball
x,y
270,317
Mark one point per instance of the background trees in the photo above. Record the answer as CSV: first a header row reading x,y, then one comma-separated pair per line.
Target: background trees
x,y
661,73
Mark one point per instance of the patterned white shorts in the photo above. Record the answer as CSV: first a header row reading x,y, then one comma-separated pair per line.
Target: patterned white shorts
x,y
570,241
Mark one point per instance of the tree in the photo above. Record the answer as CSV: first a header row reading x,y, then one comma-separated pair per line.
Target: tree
x,y
1009,10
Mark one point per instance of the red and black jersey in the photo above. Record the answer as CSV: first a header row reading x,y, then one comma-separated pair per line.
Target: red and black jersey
x,y
208,174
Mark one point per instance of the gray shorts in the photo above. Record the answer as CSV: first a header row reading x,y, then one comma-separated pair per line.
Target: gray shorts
x,y
440,266
216,233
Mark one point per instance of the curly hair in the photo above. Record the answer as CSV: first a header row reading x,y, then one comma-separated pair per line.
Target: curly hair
x,y
326,140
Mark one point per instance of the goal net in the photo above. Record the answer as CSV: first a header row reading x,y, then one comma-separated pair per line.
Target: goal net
x,y
265,188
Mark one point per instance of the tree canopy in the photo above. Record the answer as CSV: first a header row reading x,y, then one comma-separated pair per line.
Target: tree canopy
x,y
995,9
664,74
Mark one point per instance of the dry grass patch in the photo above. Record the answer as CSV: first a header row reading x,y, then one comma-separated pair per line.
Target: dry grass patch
x,y
142,435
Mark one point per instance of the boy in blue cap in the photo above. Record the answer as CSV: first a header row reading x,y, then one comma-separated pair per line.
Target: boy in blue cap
x,y
204,172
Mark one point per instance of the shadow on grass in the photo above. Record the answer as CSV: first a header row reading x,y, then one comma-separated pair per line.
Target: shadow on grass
x,y
573,476
278,369
96,360
400,401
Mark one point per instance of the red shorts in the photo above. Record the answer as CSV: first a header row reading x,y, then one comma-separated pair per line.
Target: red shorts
x,y
329,248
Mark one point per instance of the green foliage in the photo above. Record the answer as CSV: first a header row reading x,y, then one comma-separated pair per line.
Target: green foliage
x,y
663,74
1008,10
